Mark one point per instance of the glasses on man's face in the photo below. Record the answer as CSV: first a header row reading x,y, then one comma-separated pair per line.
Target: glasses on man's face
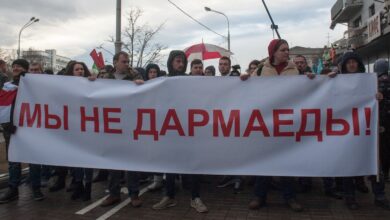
x,y
34,70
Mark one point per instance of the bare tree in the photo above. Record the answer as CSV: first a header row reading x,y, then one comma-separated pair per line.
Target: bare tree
x,y
2,54
7,55
138,40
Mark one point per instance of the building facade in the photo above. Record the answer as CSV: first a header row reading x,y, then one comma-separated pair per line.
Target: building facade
x,y
48,59
368,23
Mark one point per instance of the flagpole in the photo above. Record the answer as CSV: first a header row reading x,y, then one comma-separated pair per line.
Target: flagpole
x,y
273,26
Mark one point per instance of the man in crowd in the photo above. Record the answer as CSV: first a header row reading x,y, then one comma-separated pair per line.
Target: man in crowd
x,y
301,63
352,64
177,65
305,183
224,66
381,68
35,68
124,72
19,68
209,71
196,68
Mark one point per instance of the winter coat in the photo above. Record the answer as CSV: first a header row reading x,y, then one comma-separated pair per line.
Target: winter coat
x,y
3,79
132,75
269,70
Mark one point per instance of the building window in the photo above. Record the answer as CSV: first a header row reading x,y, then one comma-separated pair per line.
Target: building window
x,y
357,22
371,10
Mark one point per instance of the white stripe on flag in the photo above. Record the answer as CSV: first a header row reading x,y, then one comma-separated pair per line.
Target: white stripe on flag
x,y
5,114
9,86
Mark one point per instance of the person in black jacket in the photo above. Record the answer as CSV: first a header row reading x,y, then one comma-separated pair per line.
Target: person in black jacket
x,y
381,67
3,73
352,64
177,65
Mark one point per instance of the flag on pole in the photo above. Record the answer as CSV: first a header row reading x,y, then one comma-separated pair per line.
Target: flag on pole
x,y
95,69
101,59
98,60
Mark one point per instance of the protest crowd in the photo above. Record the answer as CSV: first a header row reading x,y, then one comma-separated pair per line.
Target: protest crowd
x,y
79,181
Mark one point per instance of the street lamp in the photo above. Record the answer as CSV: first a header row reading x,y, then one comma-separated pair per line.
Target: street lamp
x,y
29,23
228,23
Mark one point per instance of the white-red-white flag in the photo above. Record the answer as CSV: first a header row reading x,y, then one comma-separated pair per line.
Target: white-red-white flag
x,y
7,96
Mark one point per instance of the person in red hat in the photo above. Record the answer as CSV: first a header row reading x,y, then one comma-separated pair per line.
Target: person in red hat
x,y
278,62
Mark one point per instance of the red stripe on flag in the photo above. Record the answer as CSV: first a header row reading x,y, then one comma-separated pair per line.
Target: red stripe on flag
x,y
199,48
96,59
7,97
211,55
101,60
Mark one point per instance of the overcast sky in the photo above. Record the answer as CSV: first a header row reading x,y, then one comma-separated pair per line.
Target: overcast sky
x,y
75,27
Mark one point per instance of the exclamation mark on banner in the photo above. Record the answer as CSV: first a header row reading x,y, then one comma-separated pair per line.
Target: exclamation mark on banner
x,y
367,112
355,117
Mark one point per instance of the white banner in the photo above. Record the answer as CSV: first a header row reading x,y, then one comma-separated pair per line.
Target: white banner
x,y
278,126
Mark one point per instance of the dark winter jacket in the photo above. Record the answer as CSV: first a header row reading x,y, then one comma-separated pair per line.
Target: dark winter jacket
x,y
132,75
3,79
141,71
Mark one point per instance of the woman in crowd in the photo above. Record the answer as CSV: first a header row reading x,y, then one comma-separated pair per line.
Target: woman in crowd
x,y
81,190
152,71
278,64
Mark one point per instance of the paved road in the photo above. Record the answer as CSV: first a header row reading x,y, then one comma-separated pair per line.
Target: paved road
x,y
222,203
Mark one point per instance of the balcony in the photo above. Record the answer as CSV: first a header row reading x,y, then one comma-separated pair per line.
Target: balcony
x,y
357,37
343,10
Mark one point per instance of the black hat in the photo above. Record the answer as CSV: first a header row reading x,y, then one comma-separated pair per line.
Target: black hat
x,y
21,62
381,66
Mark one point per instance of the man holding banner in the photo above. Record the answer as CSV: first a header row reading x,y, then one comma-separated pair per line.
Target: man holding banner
x,y
19,68
123,72
177,65
352,64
